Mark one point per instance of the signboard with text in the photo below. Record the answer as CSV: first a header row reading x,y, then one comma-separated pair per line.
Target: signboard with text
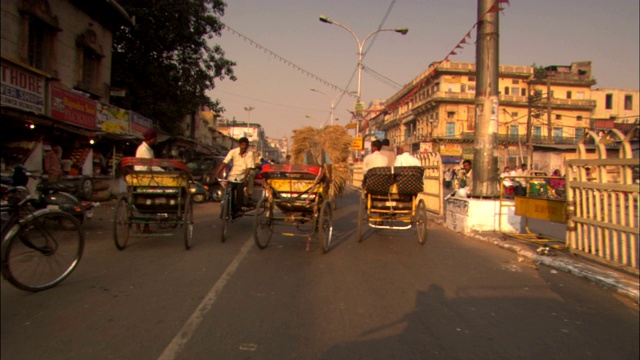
x,y
22,89
112,119
357,143
72,108
140,124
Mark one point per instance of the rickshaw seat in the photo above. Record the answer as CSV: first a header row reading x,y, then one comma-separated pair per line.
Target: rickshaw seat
x,y
381,180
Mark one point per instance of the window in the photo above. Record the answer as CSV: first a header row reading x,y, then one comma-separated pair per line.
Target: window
x,y
451,129
514,114
579,133
523,92
515,91
558,117
451,87
463,88
580,95
38,41
451,114
89,56
513,132
628,102
472,79
515,81
471,118
506,90
608,102
471,88
569,94
579,118
537,133
557,134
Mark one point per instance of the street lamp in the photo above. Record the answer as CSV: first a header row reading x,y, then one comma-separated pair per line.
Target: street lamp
x,y
403,31
333,102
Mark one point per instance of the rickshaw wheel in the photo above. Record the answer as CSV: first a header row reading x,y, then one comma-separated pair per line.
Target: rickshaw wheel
x,y
187,222
225,216
262,225
421,222
122,223
325,226
361,214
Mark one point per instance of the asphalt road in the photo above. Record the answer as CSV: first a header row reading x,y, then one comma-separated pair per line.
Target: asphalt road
x,y
385,298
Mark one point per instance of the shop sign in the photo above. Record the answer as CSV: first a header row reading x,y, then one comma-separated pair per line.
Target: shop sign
x,y
22,89
357,143
72,108
426,147
140,124
112,119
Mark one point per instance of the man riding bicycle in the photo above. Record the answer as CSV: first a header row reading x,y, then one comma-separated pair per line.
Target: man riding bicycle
x,y
241,160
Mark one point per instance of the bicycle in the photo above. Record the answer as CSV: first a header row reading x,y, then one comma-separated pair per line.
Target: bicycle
x,y
40,248
226,207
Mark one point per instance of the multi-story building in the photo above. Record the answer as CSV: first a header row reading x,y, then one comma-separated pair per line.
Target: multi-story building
x,y
617,105
436,110
56,74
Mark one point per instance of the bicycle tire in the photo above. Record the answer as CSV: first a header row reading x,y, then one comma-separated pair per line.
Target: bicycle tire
x,y
42,252
122,223
225,213
325,226
187,222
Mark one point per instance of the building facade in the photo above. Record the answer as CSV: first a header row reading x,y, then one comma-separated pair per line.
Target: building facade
x,y
436,111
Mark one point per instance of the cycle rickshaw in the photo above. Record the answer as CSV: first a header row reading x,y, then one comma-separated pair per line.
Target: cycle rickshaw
x,y
296,196
158,195
389,200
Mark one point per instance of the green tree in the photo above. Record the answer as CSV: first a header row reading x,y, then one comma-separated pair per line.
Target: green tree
x,y
167,60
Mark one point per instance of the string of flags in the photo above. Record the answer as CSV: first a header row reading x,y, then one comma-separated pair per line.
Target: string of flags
x,y
285,61
497,6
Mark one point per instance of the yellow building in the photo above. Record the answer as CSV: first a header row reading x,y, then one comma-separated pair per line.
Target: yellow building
x,y
616,104
550,105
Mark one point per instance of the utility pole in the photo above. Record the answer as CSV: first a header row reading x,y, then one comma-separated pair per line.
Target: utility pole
x,y
485,160
549,120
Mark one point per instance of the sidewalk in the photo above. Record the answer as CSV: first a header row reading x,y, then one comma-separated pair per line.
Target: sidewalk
x,y
620,282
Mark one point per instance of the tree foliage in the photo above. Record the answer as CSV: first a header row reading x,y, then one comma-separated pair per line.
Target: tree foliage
x,y
168,60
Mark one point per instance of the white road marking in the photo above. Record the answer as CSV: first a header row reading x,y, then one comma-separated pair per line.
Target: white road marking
x,y
187,330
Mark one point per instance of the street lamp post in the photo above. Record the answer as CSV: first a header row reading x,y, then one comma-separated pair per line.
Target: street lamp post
x,y
333,103
403,31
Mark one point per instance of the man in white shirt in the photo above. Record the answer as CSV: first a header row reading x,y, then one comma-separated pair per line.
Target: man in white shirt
x,y
521,186
145,151
387,151
375,159
405,158
242,162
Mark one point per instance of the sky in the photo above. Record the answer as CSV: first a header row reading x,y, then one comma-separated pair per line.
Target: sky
x,y
296,52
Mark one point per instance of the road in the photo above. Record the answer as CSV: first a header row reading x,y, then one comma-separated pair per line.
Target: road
x,y
385,298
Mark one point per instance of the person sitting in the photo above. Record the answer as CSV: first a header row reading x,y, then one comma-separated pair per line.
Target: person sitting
x,y
387,151
375,159
52,162
405,158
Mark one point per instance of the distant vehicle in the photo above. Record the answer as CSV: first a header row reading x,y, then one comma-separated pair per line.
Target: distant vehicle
x,y
203,169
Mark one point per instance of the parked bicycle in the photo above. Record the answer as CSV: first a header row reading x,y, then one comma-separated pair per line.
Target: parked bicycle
x,y
40,248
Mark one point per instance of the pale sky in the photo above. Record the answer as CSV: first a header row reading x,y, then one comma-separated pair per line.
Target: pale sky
x,y
541,32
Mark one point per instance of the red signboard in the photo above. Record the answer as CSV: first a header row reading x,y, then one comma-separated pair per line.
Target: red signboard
x,y
72,108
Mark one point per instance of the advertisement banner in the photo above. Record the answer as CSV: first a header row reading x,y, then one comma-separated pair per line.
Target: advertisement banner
x,y
72,108
22,89
140,124
112,119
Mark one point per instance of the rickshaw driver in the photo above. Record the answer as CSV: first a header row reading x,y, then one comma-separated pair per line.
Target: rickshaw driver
x,y
242,162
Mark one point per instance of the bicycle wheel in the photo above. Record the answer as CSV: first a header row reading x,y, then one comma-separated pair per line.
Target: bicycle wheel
x,y
361,215
122,223
187,222
42,252
262,225
225,213
325,226
421,222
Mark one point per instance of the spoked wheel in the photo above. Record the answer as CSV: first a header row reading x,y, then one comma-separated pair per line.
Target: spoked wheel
x,y
225,216
43,252
262,225
421,222
122,223
216,193
187,222
361,215
325,226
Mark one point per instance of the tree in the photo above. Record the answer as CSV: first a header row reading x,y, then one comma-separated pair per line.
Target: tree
x,y
167,60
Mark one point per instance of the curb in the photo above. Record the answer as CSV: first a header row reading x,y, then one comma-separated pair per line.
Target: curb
x,y
601,276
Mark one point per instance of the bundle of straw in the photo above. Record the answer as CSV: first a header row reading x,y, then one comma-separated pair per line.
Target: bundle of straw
x,y
335,142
